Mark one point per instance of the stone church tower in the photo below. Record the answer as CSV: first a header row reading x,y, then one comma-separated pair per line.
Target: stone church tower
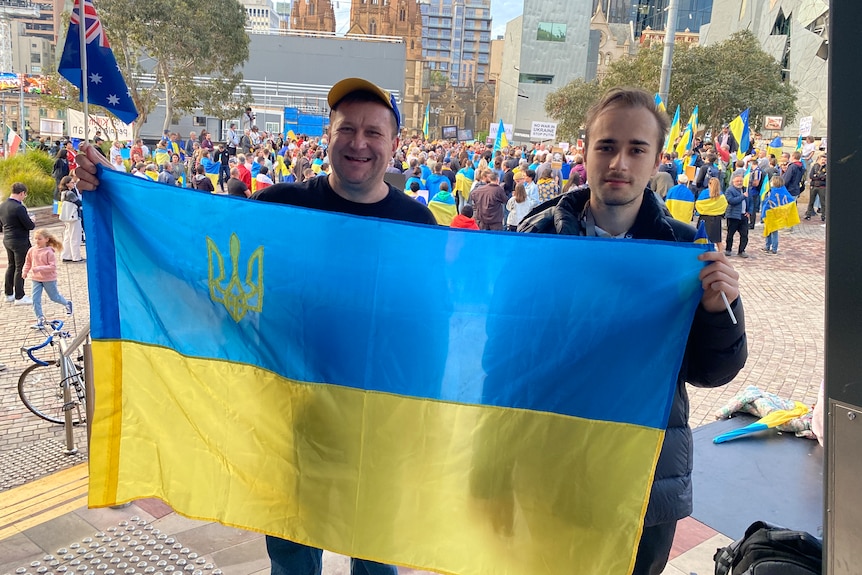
x,y
400,18
314,15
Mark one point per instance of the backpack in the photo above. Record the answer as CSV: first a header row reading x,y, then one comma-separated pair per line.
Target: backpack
x,y
767,549
709,171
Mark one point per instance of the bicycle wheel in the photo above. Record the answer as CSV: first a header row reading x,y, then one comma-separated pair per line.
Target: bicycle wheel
x,y
41,390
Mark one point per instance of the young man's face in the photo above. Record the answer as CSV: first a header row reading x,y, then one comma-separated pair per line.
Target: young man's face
x,y
622,154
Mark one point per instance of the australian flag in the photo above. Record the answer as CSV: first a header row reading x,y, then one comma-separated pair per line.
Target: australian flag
x,y
105,84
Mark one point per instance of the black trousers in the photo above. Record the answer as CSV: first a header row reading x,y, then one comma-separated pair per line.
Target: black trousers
x,y
16,253
654,549
733,226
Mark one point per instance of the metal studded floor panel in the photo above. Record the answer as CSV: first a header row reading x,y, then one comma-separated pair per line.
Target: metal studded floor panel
x,y
130,548
24,464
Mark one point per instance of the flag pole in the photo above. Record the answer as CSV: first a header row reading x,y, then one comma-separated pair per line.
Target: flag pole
x,y
82,37
23,120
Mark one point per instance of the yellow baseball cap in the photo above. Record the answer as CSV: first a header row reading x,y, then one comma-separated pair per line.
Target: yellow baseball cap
x,y
349,85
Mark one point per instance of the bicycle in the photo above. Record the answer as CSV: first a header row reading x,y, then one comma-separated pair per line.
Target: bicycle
x,y
42,387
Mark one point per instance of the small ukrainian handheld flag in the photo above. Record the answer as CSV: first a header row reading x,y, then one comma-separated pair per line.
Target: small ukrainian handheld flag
x,y
701,237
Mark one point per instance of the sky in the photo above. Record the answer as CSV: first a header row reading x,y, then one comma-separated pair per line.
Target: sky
x,y
501,12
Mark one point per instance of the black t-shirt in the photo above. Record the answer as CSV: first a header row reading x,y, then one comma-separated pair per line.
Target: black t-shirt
x,y
236,187
316,193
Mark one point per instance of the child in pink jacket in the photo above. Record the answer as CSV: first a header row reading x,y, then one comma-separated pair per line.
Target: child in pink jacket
x,y
41,266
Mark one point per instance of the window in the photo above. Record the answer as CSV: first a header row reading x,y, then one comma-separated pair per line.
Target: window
x,y
36,58
550,32
310,10
372,26
535,79
402,14
43,113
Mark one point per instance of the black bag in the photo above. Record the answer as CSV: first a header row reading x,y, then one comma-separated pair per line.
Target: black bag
x,y
767,549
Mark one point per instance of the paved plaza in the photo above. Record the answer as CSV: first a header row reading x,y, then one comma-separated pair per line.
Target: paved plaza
x,y
783,296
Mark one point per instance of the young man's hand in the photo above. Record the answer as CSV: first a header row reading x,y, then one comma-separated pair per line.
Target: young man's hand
x,y
717,277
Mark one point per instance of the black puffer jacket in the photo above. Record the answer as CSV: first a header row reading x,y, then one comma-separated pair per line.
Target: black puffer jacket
x,y
715,352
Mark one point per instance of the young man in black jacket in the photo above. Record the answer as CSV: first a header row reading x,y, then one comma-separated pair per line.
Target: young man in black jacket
x,y
624,134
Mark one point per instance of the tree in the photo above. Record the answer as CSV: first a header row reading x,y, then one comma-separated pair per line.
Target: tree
x,y
721,79
569,105
438,78
192,47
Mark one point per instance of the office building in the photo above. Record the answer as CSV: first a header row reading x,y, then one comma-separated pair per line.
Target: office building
x,y
691,14
544,49
805,59
456,39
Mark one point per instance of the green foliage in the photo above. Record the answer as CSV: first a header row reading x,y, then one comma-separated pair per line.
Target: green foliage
x,y
41,159
438,78
569,105
178,41
32,170
722,79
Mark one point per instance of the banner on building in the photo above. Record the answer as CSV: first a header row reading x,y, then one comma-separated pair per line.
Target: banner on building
x,y
111,128
543,131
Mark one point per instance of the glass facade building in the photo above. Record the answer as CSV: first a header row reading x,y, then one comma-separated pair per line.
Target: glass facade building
x,y
617,11
692,14
456,39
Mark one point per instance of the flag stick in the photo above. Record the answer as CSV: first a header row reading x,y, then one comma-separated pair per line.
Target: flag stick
x,y
82,36
727,305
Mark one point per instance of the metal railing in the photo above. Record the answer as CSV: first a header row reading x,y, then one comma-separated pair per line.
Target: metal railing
x,y
68,370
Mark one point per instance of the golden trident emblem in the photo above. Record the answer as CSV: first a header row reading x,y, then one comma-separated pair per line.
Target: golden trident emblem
x,y
238,297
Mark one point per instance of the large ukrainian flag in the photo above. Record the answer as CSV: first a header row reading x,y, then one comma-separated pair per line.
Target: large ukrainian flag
x,y
289,379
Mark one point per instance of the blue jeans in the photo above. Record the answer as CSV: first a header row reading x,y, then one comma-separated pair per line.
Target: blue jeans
x,y
289,558
772,241
223,175
51,288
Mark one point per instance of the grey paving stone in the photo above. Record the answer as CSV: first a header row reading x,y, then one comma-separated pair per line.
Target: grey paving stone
x,y
15,551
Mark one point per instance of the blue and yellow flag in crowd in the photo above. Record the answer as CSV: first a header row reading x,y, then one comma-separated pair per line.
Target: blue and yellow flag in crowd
x,y
779,210
659,103
764,187
680,202
288,380
501,141
442,205
742,135
701,237
674,132
775,147
426,120
687,141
